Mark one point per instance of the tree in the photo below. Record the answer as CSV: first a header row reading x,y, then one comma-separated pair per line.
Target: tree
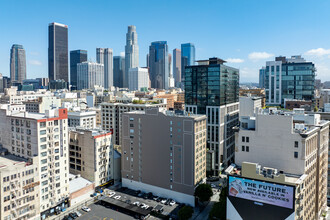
x,y
316,109
185,212
218,210
203,192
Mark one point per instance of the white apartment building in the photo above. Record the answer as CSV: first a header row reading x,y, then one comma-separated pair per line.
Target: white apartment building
x,y
92,155
89,74
248,105
43,103
112,113
28,135
81,119
138,78
293,143
19,181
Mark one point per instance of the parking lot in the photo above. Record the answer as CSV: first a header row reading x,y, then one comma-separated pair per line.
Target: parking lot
x,y
99,212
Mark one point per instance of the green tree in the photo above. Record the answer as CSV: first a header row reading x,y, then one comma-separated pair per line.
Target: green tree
x,y
218,210
185,212
316,109
203,192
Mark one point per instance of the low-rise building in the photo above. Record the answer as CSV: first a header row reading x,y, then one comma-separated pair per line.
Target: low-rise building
x,y
169,159
86,119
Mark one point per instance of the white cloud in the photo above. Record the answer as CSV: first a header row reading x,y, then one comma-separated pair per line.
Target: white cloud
x,y
35,62
255,56
318,52
234,60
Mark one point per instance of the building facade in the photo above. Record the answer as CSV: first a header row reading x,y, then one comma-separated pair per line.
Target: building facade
x,y
91,155
89,75
176,148
293,143
17,64
158,64
187,55
118,71
105,56
58,52
138,78
211,88
112,112
44,136
131,52
289,78
262,73
81,119
76,56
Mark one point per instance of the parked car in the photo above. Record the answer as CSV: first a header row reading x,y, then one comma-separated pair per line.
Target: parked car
x,y
155,198
78,214
117,197
136,203
150,195
172,203
163,201
111,194
167,201
128,201
73,215
86,209
145,196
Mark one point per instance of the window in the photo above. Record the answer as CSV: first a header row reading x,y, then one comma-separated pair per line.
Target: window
x,y
42,124
43,139
247,139
296,144
243,139
295,154
243,148
41,132
131,119
247,149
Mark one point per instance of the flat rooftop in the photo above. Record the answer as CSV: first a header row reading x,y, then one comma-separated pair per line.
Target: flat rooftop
x,y
9,161
78,183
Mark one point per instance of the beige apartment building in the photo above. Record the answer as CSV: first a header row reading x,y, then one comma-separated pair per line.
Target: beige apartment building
x,y
19,181
92,155
84,119
293,143
112,116
45,135
164,153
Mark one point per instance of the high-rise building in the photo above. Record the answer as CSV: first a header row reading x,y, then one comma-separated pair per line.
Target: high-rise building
x,y
212,89
187,55
159,66
105,56
289,78
177,66
112,112
118,71
45,136
89,75
138,78
176,148
76,56
17,64
293,143
91,155
131,52
58,52
262,77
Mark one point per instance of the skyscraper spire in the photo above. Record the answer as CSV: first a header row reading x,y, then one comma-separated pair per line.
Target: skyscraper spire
x,y
131,52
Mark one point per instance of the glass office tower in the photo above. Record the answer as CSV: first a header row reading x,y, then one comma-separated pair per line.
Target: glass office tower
x,y
187,55
17,64
212,88
159,65
289,78
76,56
118,71
58,52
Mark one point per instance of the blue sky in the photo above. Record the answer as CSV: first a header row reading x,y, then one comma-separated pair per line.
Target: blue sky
x,y
245,33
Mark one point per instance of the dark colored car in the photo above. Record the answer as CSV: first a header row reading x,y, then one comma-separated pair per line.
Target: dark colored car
x,y
150,195
73,215
167,201
159,199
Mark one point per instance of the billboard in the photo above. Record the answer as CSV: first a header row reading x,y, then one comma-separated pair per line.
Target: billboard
x,y
261,192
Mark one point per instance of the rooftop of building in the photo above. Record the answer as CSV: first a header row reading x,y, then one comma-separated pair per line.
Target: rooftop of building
x,y
81,113
213,60
93,131
8,161
146,104
37,116
77,182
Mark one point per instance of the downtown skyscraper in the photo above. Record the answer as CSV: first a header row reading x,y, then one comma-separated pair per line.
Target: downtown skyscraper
x,y
76,56
131,52
177,66
159,65
17,64
105,57
118,71
187,55
58,52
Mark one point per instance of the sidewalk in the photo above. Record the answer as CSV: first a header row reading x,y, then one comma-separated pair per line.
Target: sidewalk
x,y
205,213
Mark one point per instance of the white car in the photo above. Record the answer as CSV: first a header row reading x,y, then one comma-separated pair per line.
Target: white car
x,y
78,213
112,194
117,197
145,206
213,186
136,203
86,209
163,201
172,203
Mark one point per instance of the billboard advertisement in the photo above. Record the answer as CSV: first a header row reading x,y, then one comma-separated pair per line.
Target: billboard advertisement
x,y
261,192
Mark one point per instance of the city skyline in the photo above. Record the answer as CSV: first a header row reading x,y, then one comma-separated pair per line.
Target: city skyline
x,y
250,41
